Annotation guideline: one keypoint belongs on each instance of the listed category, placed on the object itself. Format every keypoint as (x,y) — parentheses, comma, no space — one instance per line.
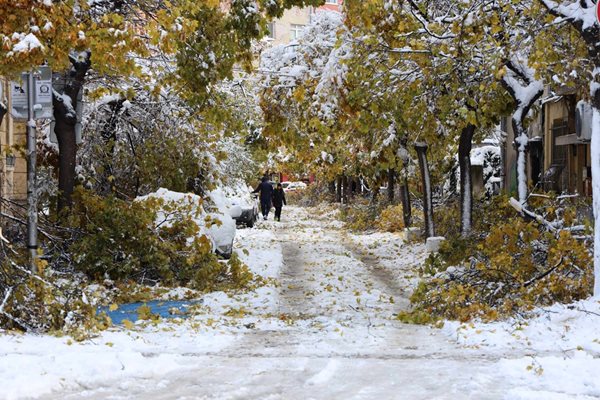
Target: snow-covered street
(323,329)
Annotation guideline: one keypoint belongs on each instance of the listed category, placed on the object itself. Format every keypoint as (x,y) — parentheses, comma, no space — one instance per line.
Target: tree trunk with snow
(522,146)
(421,149)
(65,116)
(520,82)
(466,186)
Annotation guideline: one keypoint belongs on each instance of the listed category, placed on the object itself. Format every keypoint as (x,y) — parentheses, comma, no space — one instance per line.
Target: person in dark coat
(266,193)
(278,201)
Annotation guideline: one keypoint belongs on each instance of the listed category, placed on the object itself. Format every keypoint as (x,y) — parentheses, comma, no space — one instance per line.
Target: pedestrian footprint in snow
(278,201)
(266,193)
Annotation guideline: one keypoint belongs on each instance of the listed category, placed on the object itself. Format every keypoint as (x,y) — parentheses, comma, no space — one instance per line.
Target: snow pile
(557,350)
(26,43)
(57,363)
(32,366)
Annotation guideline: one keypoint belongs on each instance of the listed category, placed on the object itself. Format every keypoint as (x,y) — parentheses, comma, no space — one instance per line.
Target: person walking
(278,201)
(266,193)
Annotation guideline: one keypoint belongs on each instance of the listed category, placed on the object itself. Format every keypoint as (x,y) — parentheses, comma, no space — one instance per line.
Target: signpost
(42,95)
(32,100)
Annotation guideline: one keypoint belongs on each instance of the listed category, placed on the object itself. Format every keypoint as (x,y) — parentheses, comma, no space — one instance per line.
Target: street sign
(18,95)
(42,95)
(43,91)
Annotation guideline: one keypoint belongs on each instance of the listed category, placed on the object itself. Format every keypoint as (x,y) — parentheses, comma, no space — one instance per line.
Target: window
(331,2)
(559,153)
(296,31)
(271,30)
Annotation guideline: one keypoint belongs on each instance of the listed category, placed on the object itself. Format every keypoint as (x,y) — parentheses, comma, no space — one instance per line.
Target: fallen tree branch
(541,220)
(545,274)
(22,222)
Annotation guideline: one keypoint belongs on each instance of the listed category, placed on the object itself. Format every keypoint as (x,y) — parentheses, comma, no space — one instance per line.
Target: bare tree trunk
(345,189)
(65,116)
(404,190)
(466,186)
(391,175)
(67,156)
(421,149)
(405,199)
(338,193)
(331,187)
(375,193)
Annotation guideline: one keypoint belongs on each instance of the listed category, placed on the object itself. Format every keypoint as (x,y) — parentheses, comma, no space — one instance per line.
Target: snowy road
(325,331)
(338,340)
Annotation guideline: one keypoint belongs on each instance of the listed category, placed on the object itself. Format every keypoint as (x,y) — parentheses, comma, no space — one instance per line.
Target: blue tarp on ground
(161,308)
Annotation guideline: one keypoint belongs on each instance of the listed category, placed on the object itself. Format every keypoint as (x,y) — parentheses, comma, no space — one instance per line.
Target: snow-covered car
(220,205)
(240,203)
(248,204)
(291,186)
(205,214)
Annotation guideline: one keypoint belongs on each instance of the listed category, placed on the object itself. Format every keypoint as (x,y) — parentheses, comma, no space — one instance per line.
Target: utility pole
(32,100)
(32,215)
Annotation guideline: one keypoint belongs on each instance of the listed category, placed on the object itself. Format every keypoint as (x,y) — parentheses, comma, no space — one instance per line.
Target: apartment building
(559,157)
(293,21)
(13,167)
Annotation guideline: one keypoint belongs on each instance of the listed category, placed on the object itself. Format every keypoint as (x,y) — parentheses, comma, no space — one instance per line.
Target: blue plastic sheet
(162,308)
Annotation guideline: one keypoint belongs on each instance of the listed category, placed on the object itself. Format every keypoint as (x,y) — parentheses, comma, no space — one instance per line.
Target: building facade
(13,166)
(559,157)
(289,27)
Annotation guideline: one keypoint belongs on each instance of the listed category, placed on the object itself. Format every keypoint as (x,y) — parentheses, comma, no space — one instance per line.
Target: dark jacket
(279,198)
(266,191)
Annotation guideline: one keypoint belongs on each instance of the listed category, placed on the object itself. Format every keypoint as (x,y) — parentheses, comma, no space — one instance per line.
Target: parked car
(291,186)
(220,208)
(249,210)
